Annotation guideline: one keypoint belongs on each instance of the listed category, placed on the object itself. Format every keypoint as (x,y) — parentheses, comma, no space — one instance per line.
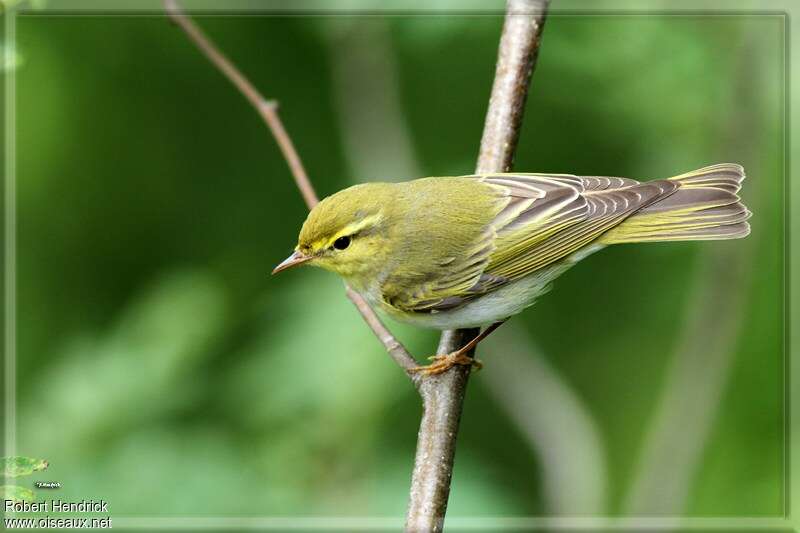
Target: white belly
(496,305)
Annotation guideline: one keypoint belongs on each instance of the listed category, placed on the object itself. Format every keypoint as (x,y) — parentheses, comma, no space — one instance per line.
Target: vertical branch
(516,59)
(443,395)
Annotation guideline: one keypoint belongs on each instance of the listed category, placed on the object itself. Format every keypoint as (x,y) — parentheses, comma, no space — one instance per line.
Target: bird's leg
(459,357)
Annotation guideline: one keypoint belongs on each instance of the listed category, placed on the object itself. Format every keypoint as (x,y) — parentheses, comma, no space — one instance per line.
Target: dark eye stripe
(341,243)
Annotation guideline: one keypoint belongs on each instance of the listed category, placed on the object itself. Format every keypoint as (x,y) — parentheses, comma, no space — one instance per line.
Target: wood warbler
(471,251)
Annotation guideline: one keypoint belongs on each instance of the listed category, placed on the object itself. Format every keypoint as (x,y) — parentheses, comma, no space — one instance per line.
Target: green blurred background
(161,368)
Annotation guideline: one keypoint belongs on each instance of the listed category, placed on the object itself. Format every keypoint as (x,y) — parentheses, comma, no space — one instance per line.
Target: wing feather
(604,183)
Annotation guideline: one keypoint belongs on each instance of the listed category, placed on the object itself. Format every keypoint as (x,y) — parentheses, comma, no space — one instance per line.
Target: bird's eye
(341,243)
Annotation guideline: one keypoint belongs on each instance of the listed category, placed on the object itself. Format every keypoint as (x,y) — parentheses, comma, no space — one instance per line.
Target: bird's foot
(445,362)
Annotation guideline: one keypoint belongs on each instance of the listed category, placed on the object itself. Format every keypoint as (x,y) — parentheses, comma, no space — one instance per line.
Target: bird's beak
(297,258)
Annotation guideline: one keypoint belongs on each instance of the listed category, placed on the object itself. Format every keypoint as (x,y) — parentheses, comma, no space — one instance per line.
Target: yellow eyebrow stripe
(353,228)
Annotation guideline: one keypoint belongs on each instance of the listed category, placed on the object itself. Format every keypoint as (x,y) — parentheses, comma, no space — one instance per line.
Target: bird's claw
(446,362)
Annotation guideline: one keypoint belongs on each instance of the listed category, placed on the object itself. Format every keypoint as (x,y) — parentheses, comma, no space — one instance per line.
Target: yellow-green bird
(470,251)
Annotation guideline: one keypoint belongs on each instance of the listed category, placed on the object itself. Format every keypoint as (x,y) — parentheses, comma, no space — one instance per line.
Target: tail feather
(705,207)
(725,176)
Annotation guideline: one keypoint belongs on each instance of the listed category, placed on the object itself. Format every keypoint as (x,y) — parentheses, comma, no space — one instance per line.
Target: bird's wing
(546,218)
(547,231)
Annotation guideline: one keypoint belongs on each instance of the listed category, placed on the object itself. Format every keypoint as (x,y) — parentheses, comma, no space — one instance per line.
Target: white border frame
(575,7)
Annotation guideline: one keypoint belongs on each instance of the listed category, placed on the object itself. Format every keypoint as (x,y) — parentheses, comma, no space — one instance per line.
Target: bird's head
(347,233)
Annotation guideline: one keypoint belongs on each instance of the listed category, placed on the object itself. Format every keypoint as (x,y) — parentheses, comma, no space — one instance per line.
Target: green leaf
(22,466)
(16,494)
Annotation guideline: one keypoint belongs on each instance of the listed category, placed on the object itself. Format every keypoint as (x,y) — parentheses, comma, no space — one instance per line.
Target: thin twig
(396,350)
(268,110)
(443,395)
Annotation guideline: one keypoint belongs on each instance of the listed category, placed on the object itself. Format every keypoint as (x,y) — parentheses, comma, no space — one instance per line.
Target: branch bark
(443,395)
(268,110)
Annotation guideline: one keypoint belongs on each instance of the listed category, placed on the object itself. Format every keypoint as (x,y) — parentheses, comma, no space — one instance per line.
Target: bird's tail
(704,207)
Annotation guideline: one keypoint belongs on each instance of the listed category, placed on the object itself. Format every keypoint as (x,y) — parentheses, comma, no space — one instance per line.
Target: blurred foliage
(162,369)
(22,466)
(18,466)
(15,493)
